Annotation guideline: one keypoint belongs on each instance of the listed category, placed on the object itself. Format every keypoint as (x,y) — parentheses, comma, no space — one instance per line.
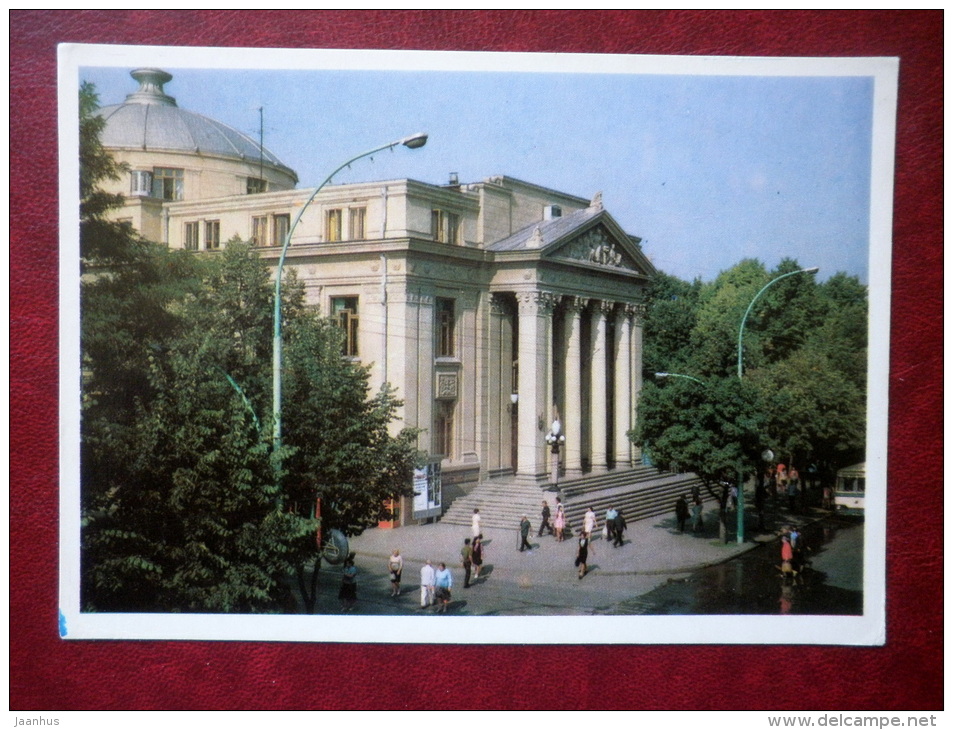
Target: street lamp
(415,141)
(741,331)
(678,375)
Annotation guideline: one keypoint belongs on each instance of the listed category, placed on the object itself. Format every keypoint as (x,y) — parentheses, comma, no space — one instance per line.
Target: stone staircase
(502,504)
(639,493)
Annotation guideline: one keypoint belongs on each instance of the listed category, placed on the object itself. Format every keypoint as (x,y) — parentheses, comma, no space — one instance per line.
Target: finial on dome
(150,89)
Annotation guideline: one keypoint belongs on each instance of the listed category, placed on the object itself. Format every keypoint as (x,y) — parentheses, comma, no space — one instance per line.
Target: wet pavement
(831,582)
(657,571)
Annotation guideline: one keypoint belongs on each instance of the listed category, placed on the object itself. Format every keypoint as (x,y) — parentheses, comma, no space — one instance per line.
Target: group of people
(615,526)
(436,582)
(683,512)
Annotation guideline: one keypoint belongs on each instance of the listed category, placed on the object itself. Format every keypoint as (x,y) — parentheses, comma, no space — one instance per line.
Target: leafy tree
(803,390)
(712,428)
(186,505)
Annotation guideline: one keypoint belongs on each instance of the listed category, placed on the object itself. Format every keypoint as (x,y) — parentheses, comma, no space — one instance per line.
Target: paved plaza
(542,581)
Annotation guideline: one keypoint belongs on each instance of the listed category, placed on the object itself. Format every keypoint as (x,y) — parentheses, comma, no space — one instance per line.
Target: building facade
(494,308)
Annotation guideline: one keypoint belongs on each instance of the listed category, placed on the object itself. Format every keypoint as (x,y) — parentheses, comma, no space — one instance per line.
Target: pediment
(602,247)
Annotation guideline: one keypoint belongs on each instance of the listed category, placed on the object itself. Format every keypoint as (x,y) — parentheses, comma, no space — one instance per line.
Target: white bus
(849,489)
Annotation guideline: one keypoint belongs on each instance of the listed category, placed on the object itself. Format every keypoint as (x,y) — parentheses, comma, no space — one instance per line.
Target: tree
(712,428)
(186,505)
(803,389)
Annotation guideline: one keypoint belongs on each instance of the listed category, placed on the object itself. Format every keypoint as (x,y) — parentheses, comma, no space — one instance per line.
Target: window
(167,183)
(445,227)
(212,234)
(259,230)
(358,220)
(344,309)
(255,185)
(445,323)
(192,236)
(140,183)
(282,224)
(332,227)
(443,429)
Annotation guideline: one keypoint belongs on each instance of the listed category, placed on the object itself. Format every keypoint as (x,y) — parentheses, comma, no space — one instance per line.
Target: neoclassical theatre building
(493,307)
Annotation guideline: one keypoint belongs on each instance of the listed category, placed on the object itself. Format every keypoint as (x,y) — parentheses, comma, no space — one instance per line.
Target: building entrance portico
(574,357)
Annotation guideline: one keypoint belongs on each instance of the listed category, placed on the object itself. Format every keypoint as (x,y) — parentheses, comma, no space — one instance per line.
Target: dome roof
(150,120)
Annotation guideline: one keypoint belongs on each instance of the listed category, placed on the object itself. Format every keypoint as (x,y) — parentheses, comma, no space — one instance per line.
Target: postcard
(453,347)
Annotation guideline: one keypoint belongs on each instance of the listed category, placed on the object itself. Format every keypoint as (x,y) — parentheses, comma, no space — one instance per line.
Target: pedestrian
(609,529)
(475,523)
(582,555)
(427,578)
(794,486)
(589,522)
(476,549)
(559,522)
(544,522)
(443,582)
(787,558)
(618,528)
(466,557)
(347,595)
(524,534)
(395,564)
(681,513)
(697,514)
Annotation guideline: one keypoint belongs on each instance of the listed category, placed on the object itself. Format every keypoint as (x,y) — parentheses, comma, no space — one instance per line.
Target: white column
(638,317)
(535,309)
(623,385)
(425,367)
(599,410)
(572,408)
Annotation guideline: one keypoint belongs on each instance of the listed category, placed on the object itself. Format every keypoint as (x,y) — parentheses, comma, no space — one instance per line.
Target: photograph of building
(494,307)
(559,323)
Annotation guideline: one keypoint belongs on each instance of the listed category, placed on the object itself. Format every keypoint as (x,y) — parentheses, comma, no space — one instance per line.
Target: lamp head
(812,270)
(414,141)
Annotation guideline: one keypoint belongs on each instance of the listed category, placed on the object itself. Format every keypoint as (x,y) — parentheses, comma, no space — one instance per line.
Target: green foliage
(803,388)
(184,506)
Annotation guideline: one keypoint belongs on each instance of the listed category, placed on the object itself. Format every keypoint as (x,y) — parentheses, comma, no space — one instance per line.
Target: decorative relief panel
(596,247)
(447,386)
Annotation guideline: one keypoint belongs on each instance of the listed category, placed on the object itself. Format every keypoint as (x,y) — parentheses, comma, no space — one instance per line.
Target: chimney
(454,178)
(551,212)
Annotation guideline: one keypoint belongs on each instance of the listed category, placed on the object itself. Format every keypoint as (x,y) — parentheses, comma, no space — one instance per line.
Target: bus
(849,488)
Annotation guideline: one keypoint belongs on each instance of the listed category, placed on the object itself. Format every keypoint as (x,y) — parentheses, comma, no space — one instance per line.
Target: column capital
(531,302)
(500,304)
(636,311)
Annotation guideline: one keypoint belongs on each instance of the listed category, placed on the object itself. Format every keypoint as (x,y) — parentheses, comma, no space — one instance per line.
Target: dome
(150,120)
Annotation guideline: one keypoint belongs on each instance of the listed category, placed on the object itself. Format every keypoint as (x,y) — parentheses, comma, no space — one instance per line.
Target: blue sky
(708,170)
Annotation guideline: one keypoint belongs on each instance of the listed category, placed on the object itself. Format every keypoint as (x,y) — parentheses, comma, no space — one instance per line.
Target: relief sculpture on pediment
(596,247)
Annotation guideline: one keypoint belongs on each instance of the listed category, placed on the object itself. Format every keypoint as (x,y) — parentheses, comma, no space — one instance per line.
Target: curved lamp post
(413,142)
(741,332)
(678,375)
